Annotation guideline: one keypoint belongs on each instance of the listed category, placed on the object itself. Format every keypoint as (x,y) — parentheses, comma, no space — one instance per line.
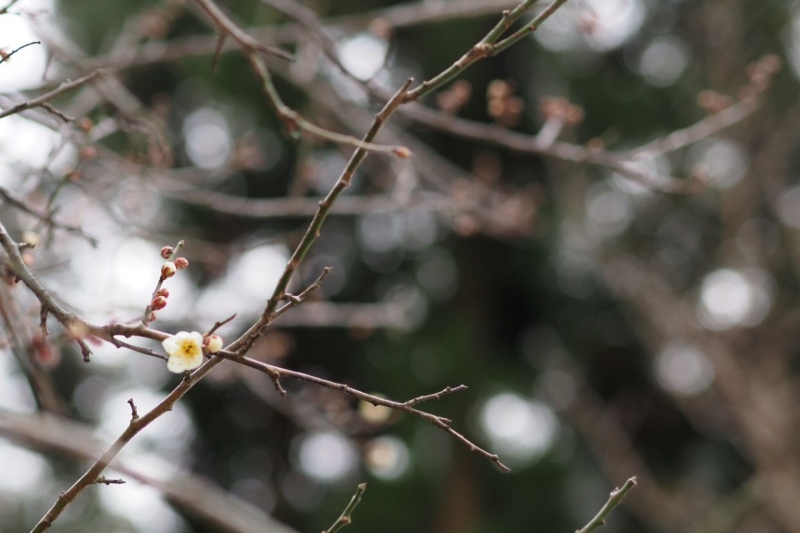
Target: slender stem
(614,499)
(291,119)
(134,427)
(345,518)
(6,56)
(55,93)
(531,27)
(244,343)
(147,317)
(488,46)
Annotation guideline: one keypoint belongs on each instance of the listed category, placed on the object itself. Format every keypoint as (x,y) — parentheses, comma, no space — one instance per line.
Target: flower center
(189,348)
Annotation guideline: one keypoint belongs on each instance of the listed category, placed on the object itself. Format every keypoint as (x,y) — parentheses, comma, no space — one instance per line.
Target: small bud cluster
(168,269)
(555,108)
(759,76)
(503,106)
(88,152)
(85,124)
(452,100)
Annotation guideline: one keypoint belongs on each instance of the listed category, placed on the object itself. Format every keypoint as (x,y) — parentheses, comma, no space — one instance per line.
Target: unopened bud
(31,237)
(88,152)
(159,302)
(402,152)
(181,263)
(166,252)
(212,343)
(163,292)
(86,124)
(168,270)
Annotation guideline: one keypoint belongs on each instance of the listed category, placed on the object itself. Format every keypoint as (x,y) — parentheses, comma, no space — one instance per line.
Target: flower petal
(179,364)
(171,345)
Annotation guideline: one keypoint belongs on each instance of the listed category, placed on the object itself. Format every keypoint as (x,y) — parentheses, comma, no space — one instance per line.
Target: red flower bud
(166,251)
(159,302)
(163,292)
(181,263)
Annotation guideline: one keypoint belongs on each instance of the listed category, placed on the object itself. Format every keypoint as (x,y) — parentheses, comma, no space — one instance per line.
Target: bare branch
(436,395)
(407,407)
(294,301)
(134,427)
(313,232)
(194,494)
(399,16)
(12,200)
(8,6)
(55,93)
(698,131)
(292,120)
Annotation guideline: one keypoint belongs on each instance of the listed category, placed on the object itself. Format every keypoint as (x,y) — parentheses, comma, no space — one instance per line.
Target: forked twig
(346,517)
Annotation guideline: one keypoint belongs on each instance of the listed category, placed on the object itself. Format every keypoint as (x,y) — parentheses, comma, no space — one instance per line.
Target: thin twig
(529,28)
(294,301)
(12,200)
(265,208)
(435,396)
(191,493)
(399,16)
(8,6)
(275,373)
(346,517)
(55,93)
(218,324)
(57,112)
(146,351)
(488,46)
(41,384)
(134,412)
(215,57)
(6,56)
(698,131)
(313,232)
(614,499)
(291,120)
(134,427)
(105,481)
(74,325)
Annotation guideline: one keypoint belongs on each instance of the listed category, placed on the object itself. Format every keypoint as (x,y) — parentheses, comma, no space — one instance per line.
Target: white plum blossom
(185,351)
